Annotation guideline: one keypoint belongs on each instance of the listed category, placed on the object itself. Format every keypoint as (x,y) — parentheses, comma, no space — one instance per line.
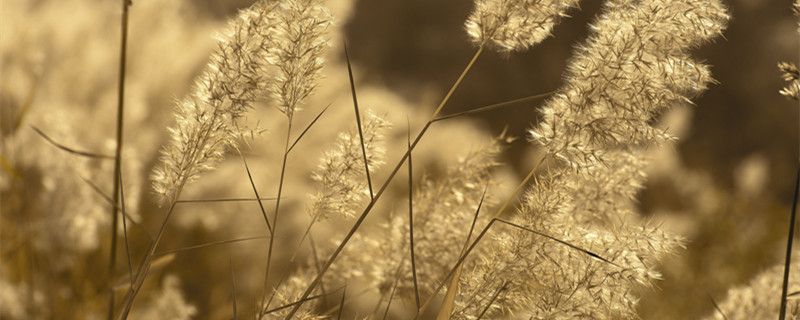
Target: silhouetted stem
(112,264)
(790,240)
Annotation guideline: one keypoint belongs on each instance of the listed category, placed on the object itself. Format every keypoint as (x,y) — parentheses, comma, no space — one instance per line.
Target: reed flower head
(287,36)
(515,25)
(299,45)
(342,171)
(634,65)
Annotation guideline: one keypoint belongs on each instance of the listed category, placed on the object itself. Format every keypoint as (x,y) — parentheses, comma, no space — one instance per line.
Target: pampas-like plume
(634,65)
(341,173)
(287,36)
(297,51)
(515,25)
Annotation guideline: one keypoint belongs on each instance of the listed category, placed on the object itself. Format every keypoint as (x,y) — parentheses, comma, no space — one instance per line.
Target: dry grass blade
(358,121)
(125,227)
(496,106)
(787,263)
(385,185)
(71,150)
(117,178)
(411,215)
(450,297)
(255,191)
(308,127)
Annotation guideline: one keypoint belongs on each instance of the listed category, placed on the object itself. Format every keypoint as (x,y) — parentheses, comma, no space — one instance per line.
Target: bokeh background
(726,185)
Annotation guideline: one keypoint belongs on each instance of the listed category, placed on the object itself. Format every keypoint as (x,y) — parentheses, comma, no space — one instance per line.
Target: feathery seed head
(342,172)
(270,48)
(515,25)
(298,47)
(633,66)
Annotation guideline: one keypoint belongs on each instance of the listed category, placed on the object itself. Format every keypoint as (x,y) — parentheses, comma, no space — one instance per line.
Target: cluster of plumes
(342,172)
(634,65)
(272,49)
(515,25)
(760,298)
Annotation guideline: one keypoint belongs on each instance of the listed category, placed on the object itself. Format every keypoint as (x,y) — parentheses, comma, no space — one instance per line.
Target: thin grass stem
(255,191)
(71,150)
(411,215)
(789,242)
(275,216)
(496,106)
(125,227)
(118,156)
(308,127)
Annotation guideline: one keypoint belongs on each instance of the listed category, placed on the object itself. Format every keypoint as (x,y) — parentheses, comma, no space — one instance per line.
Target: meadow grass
(312,220)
